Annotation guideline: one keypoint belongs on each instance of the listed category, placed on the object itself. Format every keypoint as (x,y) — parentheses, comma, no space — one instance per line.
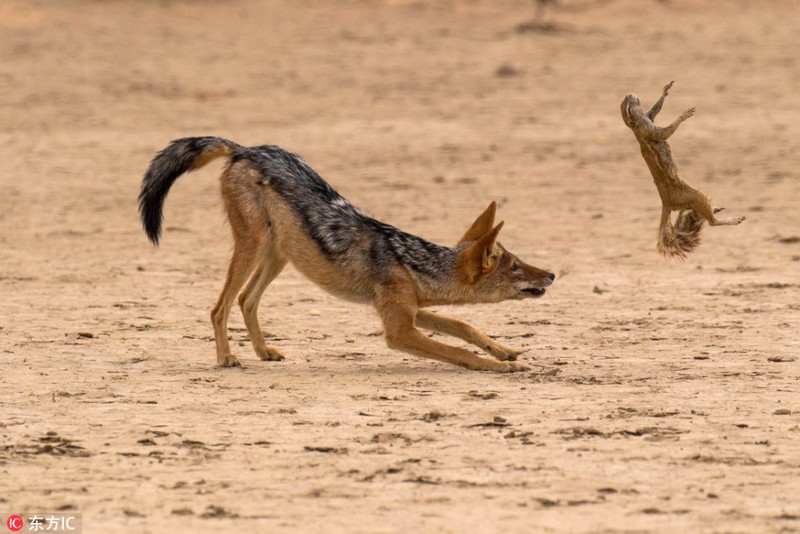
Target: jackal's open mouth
(534,291)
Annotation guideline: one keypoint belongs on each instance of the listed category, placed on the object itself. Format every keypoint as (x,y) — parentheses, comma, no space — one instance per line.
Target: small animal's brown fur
(684,236)
(271,198)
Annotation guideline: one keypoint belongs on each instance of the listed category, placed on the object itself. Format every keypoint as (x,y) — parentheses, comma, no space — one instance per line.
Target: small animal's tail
(182,155)
(683,237)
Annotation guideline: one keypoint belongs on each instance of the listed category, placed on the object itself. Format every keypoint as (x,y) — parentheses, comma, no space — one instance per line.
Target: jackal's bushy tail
(182,155)
(683,237)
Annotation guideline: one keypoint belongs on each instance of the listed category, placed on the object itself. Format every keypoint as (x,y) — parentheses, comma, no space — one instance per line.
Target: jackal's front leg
(397,307)
(467,332)
(409,339)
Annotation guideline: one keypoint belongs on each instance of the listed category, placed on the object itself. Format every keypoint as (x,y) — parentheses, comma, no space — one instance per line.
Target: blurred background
(420,113)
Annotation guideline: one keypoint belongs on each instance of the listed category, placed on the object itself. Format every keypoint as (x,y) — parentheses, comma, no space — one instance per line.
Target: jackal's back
(337,226)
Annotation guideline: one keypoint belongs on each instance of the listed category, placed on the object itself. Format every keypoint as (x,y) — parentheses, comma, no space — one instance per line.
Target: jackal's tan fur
(281,211)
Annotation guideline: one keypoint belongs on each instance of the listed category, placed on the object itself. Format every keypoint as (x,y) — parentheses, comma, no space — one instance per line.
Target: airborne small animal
(676,195)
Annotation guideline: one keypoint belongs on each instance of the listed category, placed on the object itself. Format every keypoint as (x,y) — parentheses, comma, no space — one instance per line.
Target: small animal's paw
(270,354)
(668,87)
(688,113)
(229,360)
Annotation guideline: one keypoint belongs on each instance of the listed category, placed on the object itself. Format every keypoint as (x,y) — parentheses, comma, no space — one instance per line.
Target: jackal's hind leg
(467,332)
(269,267)
(245,257)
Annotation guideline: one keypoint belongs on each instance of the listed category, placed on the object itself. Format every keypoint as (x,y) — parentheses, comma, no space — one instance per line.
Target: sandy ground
(664,395)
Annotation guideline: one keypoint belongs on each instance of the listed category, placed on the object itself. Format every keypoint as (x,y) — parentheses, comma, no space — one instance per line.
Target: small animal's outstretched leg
(700,203)
(653,111)
(662,134)
(686,114)
(689,217)
(728,222)
(734,220)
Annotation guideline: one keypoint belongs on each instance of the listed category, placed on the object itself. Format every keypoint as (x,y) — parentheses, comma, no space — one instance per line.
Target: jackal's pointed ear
(481,225)
(480,257)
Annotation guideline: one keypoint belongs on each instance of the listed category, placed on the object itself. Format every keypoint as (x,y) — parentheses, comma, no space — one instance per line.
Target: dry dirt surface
(664,396)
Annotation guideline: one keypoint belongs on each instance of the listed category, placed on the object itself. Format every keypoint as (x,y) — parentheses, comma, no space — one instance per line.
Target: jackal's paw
(504,352)
(738,220)
(229,360)
(270,354)
(515,367)
(483,364)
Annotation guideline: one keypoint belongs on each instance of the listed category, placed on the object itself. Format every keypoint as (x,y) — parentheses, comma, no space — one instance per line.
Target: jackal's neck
(421,257)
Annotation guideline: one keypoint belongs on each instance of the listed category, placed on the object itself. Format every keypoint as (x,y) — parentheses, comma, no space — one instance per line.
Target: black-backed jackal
(280,210)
